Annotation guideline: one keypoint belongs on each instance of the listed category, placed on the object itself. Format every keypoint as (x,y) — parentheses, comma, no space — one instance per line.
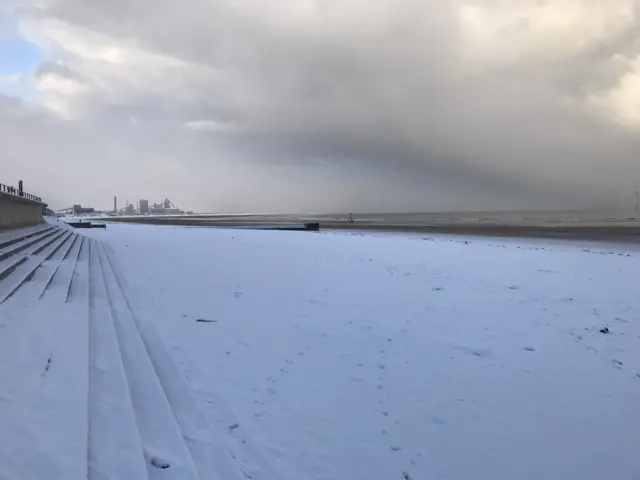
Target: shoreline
(603,231)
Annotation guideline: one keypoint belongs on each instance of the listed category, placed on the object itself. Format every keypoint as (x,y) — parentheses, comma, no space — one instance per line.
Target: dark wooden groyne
(86,225)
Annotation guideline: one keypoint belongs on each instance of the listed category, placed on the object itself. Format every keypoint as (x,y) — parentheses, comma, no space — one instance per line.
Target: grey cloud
(60,70)
(356,96)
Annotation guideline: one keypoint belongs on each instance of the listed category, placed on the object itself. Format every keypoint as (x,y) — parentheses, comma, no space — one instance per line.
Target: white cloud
(505,30)
(622,102)
(210,126)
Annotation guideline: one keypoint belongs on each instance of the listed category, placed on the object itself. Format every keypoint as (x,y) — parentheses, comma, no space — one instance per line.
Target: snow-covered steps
(143,417)
(27,269)
(18,252)
(44,374)
(29,264)
(73,241)
(170,419)
(11,237)
(15,247)
(87,386)
(115,449)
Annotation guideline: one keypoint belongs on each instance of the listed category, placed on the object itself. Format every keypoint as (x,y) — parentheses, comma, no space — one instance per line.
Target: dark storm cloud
(468,102)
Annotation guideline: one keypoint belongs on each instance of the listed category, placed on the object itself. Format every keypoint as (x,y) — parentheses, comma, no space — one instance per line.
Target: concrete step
(115,448)
(78,283)
(205,445)
(155,418)
(44,347)
(62,257)
(23,272)
(23,243)
(9,264)
(10,237)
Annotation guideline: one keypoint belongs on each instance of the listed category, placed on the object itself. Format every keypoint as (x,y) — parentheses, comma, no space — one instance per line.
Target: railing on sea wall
(18,192)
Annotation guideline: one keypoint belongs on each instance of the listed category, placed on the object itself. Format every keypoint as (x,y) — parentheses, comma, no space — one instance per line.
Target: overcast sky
(322,105)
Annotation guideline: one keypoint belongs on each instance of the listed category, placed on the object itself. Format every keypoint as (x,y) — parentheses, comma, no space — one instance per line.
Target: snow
(43,393)
(366,356)
(149,352)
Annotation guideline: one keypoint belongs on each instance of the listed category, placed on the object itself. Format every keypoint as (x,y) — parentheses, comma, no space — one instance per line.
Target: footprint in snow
(159,462)
(438,421)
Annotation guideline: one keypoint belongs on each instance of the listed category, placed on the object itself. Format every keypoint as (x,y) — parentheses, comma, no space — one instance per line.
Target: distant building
(166,207)
(79,209)
(144,207)
(129,210)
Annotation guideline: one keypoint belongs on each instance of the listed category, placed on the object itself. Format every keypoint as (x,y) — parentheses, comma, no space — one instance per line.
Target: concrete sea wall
(17,211)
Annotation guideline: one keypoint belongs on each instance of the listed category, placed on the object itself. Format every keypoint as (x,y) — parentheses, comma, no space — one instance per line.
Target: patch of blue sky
(19,58)
(18,55)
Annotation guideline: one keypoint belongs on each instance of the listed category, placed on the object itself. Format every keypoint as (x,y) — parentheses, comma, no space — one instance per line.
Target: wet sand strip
(615,233)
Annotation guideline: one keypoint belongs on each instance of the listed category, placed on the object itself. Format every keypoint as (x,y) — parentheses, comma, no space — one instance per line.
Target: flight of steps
(44,352)
(85,382)
(36,259)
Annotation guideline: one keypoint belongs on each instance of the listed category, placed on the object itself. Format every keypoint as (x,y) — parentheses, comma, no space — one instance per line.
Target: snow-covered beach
(350,356)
